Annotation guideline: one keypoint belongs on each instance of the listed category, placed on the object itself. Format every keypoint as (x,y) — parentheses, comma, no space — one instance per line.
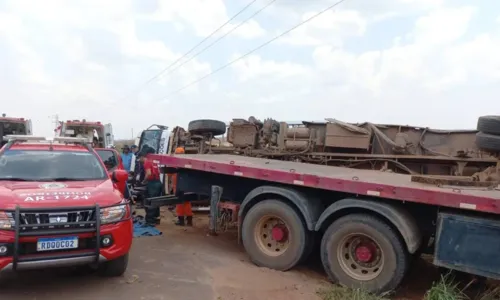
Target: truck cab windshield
(40,165)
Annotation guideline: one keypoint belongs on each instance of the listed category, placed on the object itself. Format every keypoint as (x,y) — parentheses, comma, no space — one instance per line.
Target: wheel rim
(272,235)
(360,257)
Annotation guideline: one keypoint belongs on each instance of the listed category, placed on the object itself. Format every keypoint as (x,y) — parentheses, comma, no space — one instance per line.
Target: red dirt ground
(185,263)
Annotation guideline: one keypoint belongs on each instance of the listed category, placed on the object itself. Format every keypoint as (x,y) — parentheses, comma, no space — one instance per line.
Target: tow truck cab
(60,207)
(17,126)
(93,131)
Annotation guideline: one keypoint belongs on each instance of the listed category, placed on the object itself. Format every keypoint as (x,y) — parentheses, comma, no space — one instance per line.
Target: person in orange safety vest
(183,211)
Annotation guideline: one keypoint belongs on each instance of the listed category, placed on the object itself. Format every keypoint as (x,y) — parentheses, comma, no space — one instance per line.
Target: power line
(221,37)
(253,50)
(190,50)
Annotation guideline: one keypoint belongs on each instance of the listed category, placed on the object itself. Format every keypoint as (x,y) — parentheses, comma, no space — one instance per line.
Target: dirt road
(181,264)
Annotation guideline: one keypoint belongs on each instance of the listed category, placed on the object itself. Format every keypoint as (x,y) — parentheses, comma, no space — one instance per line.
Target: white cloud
(203,17)
(406,61)
(328,28)
(254,67)
(443,26)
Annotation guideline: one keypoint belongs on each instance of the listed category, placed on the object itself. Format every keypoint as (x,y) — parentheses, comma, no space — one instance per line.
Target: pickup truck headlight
(113,214)
(6,220)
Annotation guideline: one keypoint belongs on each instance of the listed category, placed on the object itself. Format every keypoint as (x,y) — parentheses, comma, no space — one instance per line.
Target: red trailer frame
(353,181)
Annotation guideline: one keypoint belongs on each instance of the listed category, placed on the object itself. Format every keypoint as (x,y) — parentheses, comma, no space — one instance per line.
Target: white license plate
(49,244)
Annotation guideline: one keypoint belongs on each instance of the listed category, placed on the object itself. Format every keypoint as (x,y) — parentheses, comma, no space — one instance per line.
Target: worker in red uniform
(153,185)
(183,211)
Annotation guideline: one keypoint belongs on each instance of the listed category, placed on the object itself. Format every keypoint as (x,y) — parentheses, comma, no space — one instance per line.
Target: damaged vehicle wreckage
(61,207)
(372,197)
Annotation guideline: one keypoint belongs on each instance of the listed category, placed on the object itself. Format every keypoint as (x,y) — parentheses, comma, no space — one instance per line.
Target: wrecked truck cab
(60,207)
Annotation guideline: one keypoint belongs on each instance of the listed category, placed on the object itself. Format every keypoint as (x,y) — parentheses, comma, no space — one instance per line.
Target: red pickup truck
(60,207)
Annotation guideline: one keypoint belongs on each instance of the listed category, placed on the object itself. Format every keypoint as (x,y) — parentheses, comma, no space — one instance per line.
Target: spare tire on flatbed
(203,127)
(488,142)
(489,124)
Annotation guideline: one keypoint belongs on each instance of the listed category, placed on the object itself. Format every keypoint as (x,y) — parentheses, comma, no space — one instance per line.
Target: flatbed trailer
(369,225)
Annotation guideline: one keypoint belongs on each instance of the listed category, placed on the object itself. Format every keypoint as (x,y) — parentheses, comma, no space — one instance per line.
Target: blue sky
(422,62)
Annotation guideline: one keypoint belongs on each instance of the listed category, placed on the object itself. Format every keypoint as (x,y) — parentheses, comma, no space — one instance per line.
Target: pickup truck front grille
(56,217)
(50,220)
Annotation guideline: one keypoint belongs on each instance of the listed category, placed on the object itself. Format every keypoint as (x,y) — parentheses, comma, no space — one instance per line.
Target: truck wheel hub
(364,254)
(360,257)
(279,233)
(271,235)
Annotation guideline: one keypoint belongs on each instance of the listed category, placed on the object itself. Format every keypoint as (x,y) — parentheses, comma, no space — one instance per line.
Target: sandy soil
(186,263)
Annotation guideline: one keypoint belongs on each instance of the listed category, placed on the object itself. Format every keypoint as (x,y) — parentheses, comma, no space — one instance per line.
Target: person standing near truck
(126,157)
(153,185)
(184,210)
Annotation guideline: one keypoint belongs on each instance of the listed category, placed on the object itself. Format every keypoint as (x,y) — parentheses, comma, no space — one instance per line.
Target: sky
(432,63)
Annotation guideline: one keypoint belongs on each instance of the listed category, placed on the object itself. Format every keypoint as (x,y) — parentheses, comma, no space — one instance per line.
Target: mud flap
(468,244)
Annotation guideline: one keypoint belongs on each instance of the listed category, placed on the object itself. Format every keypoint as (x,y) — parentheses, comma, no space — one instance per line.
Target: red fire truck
(101,134)
(17,126)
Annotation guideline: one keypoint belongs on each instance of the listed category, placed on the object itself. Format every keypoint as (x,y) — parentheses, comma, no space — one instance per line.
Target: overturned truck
(470,154)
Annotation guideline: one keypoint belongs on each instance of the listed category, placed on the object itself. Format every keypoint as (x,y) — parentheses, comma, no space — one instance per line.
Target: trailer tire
(115,267)
(362,251)
(488,142)
(489,124)
(311,243)
(203,127)
(274,235)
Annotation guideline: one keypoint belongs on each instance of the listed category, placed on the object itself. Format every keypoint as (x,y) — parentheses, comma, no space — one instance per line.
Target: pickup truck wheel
(203,127)
(489,124)
(274,235)
(488,142)
(115,267)
(361,251)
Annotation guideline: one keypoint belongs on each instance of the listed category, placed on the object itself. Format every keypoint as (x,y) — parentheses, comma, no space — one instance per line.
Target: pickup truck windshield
(34,165)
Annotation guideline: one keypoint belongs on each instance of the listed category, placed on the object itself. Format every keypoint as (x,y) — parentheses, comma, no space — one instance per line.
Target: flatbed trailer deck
(367,238)
(361,182)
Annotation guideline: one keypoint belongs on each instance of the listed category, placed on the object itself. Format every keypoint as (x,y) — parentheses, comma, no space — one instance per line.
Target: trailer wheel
(489,124)
(488,142)
(203,127)
(361,251)
(274,235)
(115,267)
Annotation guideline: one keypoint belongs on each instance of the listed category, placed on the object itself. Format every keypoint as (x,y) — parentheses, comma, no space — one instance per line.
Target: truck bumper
(114,240)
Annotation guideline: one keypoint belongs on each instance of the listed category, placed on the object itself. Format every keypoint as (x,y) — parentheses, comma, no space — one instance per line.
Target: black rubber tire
(203,127)
(311,241)
(489,124)
(297,230)
(396,256)
(115,267)
(488,142)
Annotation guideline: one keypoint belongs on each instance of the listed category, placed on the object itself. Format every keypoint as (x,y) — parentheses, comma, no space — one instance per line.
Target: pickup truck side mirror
(119,176)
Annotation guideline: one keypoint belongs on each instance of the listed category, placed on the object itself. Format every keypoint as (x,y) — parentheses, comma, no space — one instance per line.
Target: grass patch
(342,293)
(491,294)
(445,289)
(448,289)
